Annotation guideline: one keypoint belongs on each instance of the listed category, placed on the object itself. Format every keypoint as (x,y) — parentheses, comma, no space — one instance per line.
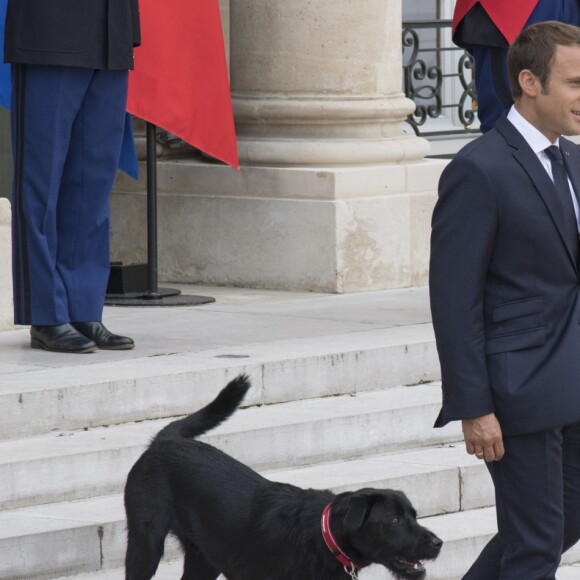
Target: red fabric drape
(180,80)
(508,15)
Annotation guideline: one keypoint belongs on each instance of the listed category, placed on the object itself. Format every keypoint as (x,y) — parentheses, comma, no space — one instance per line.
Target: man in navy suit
(505,299)
(70,62)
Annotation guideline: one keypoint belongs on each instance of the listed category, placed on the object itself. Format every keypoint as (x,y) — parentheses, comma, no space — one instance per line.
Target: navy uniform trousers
(67,131)
(537,489)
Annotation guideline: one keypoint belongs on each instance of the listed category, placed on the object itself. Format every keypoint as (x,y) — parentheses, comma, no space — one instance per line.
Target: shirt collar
(533,137)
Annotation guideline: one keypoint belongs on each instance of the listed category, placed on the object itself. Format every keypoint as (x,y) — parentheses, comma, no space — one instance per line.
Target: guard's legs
(83,218)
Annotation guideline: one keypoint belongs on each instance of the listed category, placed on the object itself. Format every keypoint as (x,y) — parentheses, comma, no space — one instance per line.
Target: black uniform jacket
(96,34)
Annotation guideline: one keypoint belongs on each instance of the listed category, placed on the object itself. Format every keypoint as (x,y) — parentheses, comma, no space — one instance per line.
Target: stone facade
(6,309)
(333,195)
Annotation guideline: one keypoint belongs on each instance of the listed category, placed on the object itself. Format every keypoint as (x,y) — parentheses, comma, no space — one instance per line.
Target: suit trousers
(537,489)
(67,131)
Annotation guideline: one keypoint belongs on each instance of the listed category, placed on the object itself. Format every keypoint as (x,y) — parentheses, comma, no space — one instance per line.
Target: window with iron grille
(437,75)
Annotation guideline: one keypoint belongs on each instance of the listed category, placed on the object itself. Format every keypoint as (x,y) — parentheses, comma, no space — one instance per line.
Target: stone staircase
(340,412)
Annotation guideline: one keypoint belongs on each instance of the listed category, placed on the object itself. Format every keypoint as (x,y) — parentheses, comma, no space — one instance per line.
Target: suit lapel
(571,155)
(544,186)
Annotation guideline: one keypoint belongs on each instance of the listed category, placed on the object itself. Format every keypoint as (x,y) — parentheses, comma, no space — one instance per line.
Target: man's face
(556,109)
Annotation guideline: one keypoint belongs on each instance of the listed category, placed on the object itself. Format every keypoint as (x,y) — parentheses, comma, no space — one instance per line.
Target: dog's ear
(356,511)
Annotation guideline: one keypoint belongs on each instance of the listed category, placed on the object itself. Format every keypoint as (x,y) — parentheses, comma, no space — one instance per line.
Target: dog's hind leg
(143,555)
(195,565)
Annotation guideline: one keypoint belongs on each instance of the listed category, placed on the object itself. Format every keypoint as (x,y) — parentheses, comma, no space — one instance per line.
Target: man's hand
(483,437)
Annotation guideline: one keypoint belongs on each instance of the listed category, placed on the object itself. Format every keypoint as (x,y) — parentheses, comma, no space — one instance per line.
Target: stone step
(85,392)
(465,534)
(569,572)
(78,464)
(455,480)
(93,530)
(171,570)
(62,539)
(89,535)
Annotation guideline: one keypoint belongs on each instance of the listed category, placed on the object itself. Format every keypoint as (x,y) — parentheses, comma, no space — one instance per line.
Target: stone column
(318,82)
(6,308)
(333,194)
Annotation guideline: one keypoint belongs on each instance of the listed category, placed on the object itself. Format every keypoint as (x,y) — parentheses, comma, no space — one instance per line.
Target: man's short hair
(534,49)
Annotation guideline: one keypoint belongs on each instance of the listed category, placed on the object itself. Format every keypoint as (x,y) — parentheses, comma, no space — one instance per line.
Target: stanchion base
(163,297)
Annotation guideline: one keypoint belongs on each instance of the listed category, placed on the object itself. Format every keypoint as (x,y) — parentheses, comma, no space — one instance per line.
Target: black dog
(231,520)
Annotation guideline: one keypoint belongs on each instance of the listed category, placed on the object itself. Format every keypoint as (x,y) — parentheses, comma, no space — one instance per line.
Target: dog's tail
(220,409)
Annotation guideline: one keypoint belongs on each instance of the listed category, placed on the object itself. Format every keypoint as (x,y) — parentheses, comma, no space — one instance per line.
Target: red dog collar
(348,564)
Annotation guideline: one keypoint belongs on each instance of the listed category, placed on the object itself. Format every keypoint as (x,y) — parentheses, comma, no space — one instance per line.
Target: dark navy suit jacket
(504,287)
(97,34)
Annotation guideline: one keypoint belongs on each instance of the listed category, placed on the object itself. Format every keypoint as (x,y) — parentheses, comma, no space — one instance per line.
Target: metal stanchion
(153,295)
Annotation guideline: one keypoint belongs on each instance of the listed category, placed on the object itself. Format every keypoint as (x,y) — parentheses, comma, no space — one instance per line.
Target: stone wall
(333,194)
(6,315)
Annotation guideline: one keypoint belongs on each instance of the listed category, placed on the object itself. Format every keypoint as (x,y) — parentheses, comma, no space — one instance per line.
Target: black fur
(231,520)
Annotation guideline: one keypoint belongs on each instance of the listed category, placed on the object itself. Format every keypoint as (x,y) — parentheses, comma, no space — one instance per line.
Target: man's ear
(356,511)
(530,83)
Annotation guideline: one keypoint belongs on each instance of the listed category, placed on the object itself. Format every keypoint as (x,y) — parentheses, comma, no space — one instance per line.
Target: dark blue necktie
(564,194)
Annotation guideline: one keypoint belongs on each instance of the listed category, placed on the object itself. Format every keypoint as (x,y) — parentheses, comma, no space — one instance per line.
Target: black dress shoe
(104,339)
(61,338)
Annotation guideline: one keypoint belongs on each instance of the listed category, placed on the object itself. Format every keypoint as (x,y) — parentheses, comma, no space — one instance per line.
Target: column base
(311,152)
(324,131)
(293,228)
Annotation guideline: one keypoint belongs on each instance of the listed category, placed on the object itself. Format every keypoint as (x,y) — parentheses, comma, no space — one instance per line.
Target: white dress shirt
(539,142)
